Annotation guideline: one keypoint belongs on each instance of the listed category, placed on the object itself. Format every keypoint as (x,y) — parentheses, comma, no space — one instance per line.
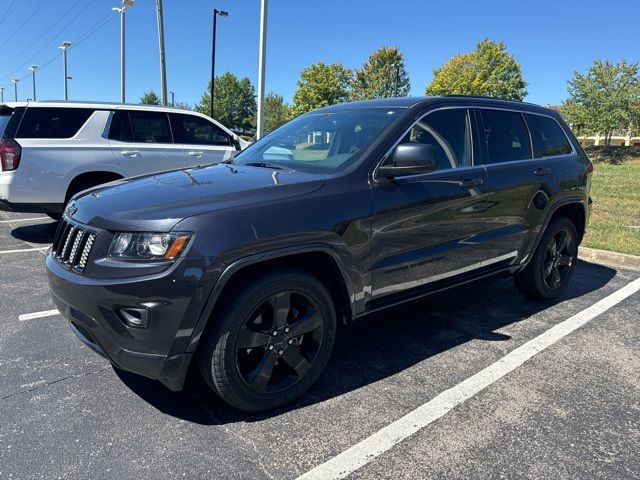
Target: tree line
(604,99)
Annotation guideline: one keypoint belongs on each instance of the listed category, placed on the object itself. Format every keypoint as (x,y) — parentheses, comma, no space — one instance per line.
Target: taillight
(10,152)
(590,167)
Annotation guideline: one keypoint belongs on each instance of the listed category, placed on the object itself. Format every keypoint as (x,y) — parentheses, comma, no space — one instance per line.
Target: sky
(550,39)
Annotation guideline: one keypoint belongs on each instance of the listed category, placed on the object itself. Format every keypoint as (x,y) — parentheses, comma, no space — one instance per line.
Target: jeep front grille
(72,245)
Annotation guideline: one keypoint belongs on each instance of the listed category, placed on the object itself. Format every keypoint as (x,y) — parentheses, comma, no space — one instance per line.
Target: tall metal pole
(2,94)
(15,88)
(33,69)
(261,67)
(173,99)
(64,47)
(213,60)
(122,50)
(163,66)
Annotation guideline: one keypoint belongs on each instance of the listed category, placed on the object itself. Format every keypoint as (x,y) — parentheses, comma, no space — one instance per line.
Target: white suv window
(140,127)
(193,130)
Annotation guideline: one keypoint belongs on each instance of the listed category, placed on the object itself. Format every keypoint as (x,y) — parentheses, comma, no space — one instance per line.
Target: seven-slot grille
(72,245)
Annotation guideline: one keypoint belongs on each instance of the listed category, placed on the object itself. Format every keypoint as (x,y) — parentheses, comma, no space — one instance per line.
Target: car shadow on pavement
(383,344)
(36,233)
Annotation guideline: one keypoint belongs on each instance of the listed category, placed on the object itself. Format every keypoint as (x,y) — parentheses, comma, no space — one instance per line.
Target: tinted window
(548,137)
(197,131)
(506,135)
(52,122)
(150,127)
(449,131)
(121,127)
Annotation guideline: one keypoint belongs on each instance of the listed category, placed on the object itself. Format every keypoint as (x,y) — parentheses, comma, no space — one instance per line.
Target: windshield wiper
(264,165)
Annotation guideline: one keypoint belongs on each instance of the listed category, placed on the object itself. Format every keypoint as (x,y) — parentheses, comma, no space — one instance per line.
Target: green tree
(276,111)
(489,70)
(383,76)
(183,106)
(149,98)
(234,104)
(321,85)
(605,99)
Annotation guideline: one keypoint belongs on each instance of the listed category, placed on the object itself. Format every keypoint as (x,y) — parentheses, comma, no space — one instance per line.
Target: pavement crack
(53,382)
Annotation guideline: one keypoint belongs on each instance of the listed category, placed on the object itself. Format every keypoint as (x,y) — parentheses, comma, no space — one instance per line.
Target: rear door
(142,142)
(429,229)
(519,185)
(204,142)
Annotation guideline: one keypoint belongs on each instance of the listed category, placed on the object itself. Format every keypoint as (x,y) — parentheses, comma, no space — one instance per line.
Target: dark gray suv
(247,267)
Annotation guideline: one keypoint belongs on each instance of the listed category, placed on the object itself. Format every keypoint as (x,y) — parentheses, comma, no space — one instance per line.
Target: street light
(2,94)
(33,69)
(173,99)
(64,47)
(222,13)
(15,87)
(261,67)
(125,4)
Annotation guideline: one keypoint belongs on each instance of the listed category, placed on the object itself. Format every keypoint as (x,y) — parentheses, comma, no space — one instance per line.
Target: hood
(158,202)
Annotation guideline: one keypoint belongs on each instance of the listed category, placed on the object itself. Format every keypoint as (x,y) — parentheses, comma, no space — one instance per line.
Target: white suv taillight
(10,152)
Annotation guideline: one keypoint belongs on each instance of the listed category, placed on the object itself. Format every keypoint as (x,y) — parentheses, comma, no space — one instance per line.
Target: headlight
(147,246)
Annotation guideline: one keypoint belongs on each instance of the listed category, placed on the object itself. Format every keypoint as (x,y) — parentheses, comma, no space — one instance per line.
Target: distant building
(619,138)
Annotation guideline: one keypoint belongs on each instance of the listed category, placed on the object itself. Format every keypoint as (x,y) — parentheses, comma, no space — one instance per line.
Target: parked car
(50,151)
(247,267)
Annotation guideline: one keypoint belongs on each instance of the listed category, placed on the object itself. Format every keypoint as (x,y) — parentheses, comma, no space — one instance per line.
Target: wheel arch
(100,176)
(319,259)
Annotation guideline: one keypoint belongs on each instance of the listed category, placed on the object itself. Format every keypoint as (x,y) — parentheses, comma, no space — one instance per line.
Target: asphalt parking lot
(572,410)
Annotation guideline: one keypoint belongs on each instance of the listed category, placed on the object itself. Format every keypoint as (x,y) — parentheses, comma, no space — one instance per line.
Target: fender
(552,210)
(238,265)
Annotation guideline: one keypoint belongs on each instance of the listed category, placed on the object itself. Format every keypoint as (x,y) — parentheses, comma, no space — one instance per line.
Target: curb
(613,259)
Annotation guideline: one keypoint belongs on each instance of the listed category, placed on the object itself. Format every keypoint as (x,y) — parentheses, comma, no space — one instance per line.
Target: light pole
(222,13)
(33,69)
(261,67)
(163,65)
(173,99)
(125,4)
(15,88)
(64,47)
(2,94)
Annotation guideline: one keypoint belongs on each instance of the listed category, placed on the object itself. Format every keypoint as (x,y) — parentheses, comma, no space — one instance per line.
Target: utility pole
(33,69)
(261,67)
(222,13)
(121,10)
(163,66)
(15,87)
(64,47)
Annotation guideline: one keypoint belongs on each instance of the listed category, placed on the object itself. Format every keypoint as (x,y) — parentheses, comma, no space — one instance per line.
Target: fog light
(135,317)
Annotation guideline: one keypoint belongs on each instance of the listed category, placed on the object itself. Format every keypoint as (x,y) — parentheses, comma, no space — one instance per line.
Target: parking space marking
(383,440)
(25,250)
(31,316)
(25,219)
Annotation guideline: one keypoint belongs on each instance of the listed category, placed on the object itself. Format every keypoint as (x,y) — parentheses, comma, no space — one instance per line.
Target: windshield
(321,142)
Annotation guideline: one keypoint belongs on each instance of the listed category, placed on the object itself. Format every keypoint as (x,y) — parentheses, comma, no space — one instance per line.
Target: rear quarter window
(548,137)
(52,122)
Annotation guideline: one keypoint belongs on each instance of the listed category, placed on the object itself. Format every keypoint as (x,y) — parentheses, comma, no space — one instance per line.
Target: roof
(89,104)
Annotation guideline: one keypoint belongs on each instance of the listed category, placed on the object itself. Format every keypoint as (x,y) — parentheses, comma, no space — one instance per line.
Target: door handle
(542,171)
(195,154)
(470,183)
(130,153)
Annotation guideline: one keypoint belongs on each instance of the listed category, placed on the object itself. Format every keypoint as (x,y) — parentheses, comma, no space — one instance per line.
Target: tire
(551,267)
(252,358)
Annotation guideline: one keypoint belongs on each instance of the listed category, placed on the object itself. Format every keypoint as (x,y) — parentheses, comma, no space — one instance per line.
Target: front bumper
(157,352)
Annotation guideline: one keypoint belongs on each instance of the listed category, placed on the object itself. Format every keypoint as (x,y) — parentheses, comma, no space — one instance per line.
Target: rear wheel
(551,267)
(269,343)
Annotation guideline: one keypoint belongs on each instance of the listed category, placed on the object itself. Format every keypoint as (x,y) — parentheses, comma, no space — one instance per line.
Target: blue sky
(550,39)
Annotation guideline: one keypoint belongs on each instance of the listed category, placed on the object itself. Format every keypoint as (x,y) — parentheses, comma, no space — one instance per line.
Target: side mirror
(236,142)
(411,159)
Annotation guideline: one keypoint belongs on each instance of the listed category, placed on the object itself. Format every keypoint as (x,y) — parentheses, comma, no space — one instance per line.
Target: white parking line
(31,316)
(24,250)
(383,440)
(25,219)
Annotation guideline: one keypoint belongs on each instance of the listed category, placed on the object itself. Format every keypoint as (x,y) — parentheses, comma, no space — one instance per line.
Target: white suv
(49,151)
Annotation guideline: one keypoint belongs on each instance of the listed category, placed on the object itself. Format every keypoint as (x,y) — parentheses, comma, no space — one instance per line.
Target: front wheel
(270,343)
(552,264)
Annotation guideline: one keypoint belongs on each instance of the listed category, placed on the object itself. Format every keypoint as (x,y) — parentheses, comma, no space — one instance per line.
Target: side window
(449,131)
(506,135)
(120,128)
(52,122)
(548,137)
(194,130)
(150,127)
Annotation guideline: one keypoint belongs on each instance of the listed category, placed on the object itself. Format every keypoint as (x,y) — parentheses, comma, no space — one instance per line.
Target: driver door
(429,228)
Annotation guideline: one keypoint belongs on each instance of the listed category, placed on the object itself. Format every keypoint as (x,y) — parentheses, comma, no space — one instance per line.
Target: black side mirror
(411,159)
(236,143)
